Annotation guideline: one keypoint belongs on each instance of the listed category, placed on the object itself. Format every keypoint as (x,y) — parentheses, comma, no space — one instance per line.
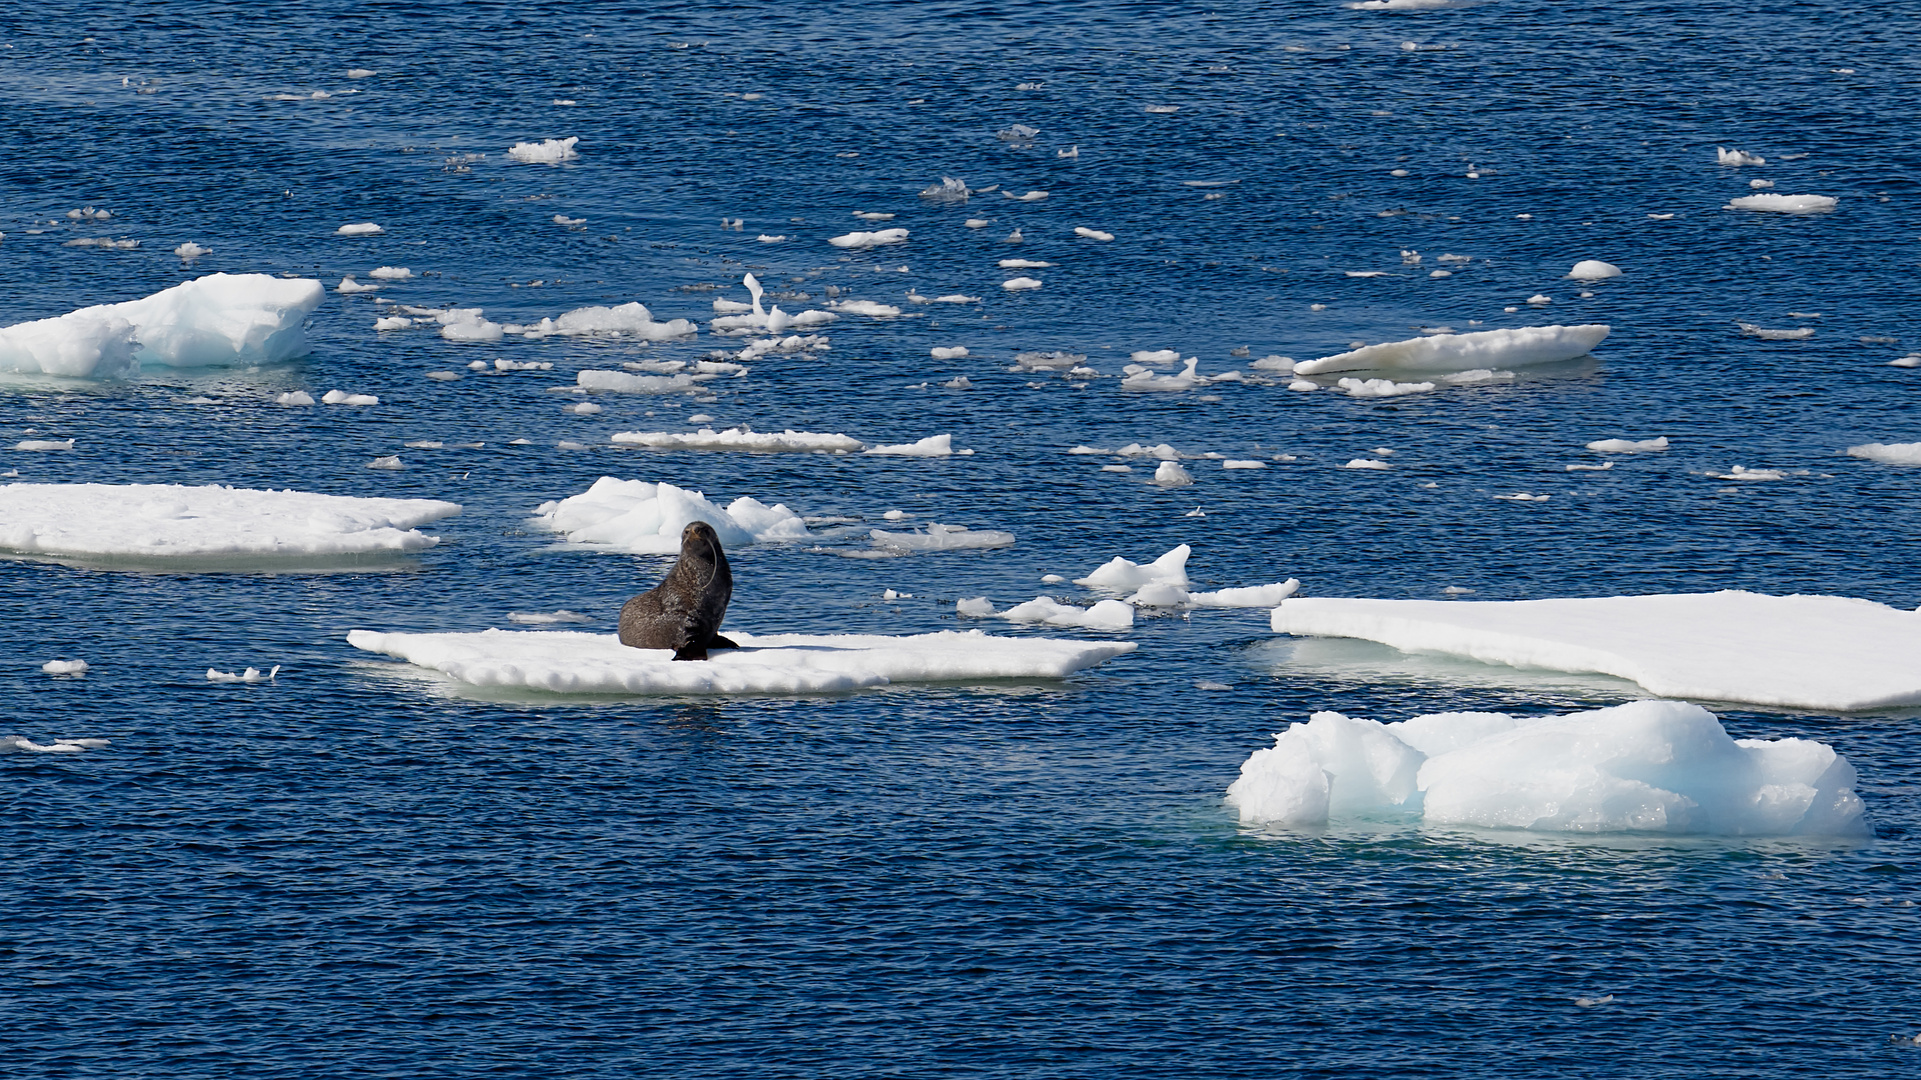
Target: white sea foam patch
(570,662)
(647,518)
(169,521)
(216,320)
(1494,349)
(1665,767)
(1888,453)
(1829,653)
(743,438)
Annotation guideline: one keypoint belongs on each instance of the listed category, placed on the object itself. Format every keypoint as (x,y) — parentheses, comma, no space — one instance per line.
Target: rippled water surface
(358,869)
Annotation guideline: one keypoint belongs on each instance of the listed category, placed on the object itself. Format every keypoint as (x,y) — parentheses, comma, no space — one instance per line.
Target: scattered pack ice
(216,320)
(1829,653)
(1493,349)
(145,522)
(1665,767)
(742,438)
(646,518)
(571,662)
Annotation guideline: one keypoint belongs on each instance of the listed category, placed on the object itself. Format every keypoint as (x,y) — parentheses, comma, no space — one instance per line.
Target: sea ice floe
(1374,388)
(145,522)
(393,322)
(621,382)
(950,189)
(349,286)
(572,662)
(1366,463)
(294,397)
(391,461)
(66,667)
(19,744)
(955,352)
(1171,474)
(1109,615)
(1629,446)
(938,537)
(342,397)
(191,250)
(467,324)
(216,320)
(1593,270)
(1664,767)
(1020,284)
(364,228)
(1725,156)
(1494,349)
(645,518)
(1523,496)
(931,446)
(44,444)
(1742,472)
(627,320)
(1888,453)
(1796,652)
(742,438)
(1243,463)
(1799,333)
(391,273)
(251,675)
(545,152)
(864,307)
(861,241)
(978,607)
(1784,204)
(1126,576)
(1092,234)
(1246,596)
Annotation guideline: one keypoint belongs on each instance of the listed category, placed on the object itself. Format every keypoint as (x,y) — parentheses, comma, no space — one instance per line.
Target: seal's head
(700,540)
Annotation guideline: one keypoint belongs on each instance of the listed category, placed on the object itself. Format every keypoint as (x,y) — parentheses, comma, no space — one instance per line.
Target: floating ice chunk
(1478,375)
(959,382)
(1032,196)
(1629,446)
(766,239)
(1540,299)
(1017,133)
(44,444)
(931,446)
(1246,596)
(1800,333)
(341,397)
(466,324)
(1020,284)
(349,285)
(1760,185)
(1888,453)
(942,538)
(251,675)
(1171,474)
(1371,388)
(545,152)
(1725,156)
(864,307)
(1243,463)
(1071,152)
(1024,264)
(191,250)
(977,608)
(950,189)
(1092,234)
(1647,766)
(393,322)
(868,215)
(294,397)
(1163,109)
(573,662)
(66,667)
(740,438)
(1742,472)
(621,382)
(570,222)
(17,744)
(1784,204)
(361,73)
(1366,463)
(145,522)
(1164,451)
(1523,496)
(1797,652)
(219,319)
(977,223)
(391,273)
(1126,576)
(1155,356)
(1460,352)
(365,228)
(1603,467)
(627,320)
(861,241)
(1590,1002)
(391,461)
(1303,386)
(1282,364)
(502,364)
(1109,615)
(1593,270)
(540,618)
(955,352)
(636,516)
(581,408)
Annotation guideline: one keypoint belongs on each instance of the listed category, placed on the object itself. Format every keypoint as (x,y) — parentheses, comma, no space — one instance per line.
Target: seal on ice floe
(684,611)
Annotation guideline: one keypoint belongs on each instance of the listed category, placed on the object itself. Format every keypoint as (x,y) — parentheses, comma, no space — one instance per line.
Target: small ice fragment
(1725,156)
(541,618)
(1092,234)
(545,152)
(563,219)
(391,273)
(1012,238)
(1020,284)
(1742,472)
(251,675)
(860,241)
(1522,496)
(976,608)
(1784,204)
(1171,474)
(1590,1002)
(959,382)
(1629,446)
(65,667)
(869,215)
(1243,463)
(977,223)
(1052,579)
(341,397)
(1108,615)
(361,73)
(582,408)
(1117,468)
(1593,270)
(443,376)
(1303,386)
(1456,590)
(294,397)
(1163,109)
(948,353)
(1366,463)
(44,444)
(365,228)
(1378,388)
(391,461)
(1577,467)
(1800,333)
(393,322)
(1540,299)
(349,285)
(191,250)
(1760,185)
(1017,133)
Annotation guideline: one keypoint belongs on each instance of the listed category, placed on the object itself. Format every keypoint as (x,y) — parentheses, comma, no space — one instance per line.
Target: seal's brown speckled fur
(684,611)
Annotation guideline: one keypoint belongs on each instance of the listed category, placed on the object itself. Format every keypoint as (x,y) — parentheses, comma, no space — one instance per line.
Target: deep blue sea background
(358,870)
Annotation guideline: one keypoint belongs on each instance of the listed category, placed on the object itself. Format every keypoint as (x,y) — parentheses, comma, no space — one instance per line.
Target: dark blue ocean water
(357,870)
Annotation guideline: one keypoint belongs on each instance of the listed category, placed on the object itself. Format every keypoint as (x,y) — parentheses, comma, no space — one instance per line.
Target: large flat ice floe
(217,320)
(1828,653)
(745,439)
(646,518)
(146,523)
(1493,349)
(1665,767)
(569,662)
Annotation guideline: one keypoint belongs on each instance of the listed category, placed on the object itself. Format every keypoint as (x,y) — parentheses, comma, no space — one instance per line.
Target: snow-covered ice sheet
(1493,349)
(216,320)
(147,523)
(1829,653)
(571,662)
(741,438)
(1665,767)
(647,518)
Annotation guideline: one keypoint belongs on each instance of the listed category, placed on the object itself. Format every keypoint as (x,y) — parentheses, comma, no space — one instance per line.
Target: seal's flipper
(692,652)
(718,642)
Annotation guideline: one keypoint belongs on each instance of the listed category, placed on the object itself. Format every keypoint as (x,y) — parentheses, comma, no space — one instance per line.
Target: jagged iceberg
(216,320)
(1644,767)
(1494,349)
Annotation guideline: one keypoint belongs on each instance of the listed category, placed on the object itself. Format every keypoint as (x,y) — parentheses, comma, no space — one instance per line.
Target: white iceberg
(646,518)
(1888,453)
(216,320)
(1784,204)
(571,662)
(1663,767)
(1109,615)
(165,522)
(1495,349)
(942,538)
(741,438)
(1828,653)
(545,152)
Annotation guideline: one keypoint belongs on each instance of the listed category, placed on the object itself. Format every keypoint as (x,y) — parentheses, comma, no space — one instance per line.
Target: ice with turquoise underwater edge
(353,870)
